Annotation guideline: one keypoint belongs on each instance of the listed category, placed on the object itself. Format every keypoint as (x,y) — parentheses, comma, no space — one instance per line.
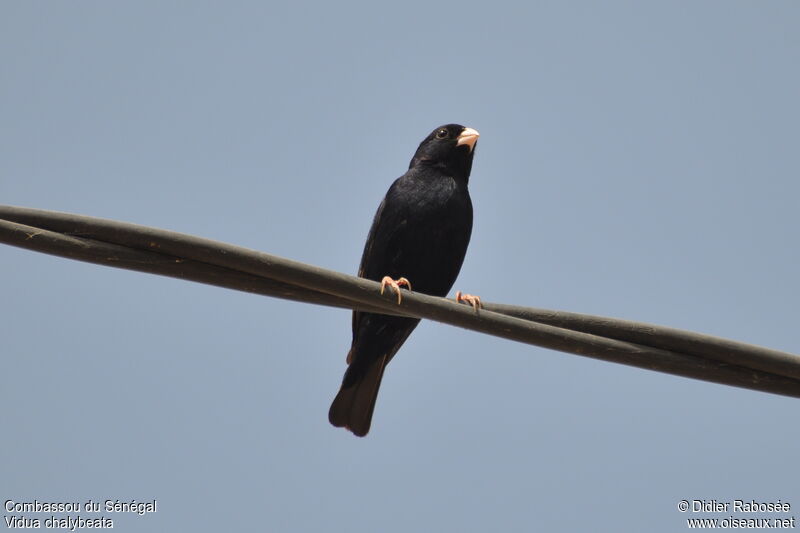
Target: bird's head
(450,147)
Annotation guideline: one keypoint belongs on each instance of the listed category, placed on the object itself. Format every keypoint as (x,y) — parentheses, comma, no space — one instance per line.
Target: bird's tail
(353,406)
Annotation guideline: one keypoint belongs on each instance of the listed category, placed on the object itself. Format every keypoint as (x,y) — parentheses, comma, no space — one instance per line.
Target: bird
(418,238)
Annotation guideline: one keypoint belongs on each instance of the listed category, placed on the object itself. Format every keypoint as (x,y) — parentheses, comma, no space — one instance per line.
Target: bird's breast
(431,236)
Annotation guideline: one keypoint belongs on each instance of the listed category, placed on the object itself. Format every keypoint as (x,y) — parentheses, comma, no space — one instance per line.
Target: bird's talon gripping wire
(395,285)
(471,299)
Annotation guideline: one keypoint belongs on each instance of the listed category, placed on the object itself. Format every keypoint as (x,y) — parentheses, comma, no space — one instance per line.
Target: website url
(740,523)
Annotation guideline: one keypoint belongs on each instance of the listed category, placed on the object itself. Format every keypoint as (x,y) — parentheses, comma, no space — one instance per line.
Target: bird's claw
(471,299)
(395,285)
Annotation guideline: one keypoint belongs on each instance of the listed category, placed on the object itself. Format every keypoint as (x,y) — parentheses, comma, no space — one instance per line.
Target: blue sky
(637,160)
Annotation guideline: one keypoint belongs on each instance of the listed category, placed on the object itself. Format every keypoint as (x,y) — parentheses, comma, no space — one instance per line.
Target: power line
(167,253)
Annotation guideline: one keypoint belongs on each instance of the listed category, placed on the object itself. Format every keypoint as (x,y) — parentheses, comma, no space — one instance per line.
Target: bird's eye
(442,134)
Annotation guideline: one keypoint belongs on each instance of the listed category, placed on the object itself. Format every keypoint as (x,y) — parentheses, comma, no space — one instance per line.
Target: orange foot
(474,301)
(395,285)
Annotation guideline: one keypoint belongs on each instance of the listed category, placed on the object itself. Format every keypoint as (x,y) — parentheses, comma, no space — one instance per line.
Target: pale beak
(468,137)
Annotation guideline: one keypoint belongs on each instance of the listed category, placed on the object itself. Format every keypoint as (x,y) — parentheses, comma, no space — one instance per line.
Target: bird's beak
(468,137)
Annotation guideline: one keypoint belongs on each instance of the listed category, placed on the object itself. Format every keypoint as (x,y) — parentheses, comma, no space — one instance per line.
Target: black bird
(419,236)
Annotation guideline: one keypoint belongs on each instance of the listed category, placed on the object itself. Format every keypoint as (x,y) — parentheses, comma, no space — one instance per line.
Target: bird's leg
(474,301)
(395,285)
